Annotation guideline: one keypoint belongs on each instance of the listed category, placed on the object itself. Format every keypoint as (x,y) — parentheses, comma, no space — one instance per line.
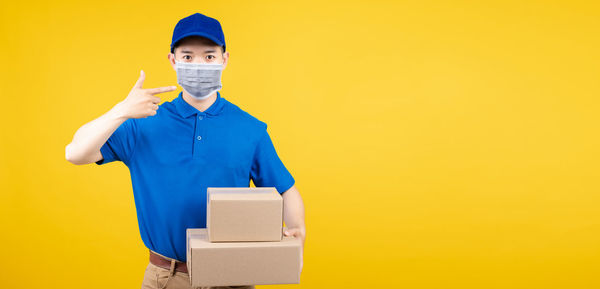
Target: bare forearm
(293,209)
(91,136)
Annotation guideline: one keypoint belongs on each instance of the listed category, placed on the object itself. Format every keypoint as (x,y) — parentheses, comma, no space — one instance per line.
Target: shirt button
(199,117)
(199,137)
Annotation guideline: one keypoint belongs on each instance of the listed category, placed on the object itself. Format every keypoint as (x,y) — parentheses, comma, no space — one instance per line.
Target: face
(198,50)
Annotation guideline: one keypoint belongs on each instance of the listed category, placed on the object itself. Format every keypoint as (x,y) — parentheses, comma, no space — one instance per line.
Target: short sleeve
(267,168)
(120,144)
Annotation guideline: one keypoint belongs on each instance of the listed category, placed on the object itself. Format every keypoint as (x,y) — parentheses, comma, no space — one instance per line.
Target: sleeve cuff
(282,188)
(107,155)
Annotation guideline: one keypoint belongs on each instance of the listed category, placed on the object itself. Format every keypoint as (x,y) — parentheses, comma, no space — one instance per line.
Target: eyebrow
(205,51)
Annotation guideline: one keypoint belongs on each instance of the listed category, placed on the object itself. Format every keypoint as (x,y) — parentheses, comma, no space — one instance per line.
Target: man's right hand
(141,102)
(89,138)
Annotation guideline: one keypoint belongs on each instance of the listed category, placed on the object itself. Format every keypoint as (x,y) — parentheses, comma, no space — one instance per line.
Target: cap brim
(218,42)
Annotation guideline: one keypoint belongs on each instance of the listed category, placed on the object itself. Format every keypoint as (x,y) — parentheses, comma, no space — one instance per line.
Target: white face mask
(199,80)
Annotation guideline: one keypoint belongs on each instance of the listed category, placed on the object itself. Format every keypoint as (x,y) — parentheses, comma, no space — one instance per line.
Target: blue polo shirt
(176,154)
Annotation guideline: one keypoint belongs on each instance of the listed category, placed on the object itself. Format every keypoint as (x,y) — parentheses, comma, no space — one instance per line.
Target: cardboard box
(242,263)
(244,214)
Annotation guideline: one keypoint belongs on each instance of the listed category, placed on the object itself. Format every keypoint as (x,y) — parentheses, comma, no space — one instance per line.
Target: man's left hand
(297,233)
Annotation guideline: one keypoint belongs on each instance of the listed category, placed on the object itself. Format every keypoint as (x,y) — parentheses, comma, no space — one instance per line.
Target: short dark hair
(179,42)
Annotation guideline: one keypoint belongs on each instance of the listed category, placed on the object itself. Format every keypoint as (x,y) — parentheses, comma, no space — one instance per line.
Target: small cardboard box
(242,263)
(244,214)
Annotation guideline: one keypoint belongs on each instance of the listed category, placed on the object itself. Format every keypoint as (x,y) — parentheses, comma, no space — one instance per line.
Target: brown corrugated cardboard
(242,263)
(244,214)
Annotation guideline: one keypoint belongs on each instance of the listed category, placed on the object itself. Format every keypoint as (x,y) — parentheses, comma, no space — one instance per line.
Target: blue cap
(201,25)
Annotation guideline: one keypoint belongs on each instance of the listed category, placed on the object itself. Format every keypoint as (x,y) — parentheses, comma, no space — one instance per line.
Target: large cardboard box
(242,263)
(244,214)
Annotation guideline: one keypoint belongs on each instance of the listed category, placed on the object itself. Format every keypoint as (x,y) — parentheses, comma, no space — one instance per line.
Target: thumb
(140,81)
(290,232)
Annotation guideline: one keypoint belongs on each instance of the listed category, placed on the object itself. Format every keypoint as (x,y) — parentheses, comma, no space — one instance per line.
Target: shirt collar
(185,109)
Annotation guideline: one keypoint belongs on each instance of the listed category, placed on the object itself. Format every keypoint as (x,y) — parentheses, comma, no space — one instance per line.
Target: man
(175,150)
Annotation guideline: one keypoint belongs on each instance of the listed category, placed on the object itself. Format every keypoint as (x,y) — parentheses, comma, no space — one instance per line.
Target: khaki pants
(157,277)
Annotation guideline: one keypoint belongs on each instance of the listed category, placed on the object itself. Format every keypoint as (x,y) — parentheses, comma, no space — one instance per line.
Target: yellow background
(436,144)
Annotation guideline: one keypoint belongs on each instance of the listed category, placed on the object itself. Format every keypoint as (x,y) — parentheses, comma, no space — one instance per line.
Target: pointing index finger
(161,89)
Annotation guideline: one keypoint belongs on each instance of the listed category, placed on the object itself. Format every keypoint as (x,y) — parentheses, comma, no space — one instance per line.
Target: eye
(184,57)
(211,56)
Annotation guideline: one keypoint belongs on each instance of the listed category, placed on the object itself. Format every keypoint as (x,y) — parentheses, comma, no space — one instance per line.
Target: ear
(225,59)
(171,58)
